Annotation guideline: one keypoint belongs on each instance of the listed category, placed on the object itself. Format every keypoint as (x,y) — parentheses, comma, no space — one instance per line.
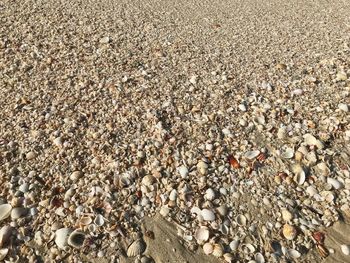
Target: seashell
(208,215)
(335,183)
(183,171)
(248,248)
(208,248)
(136,248)
(345,249)
(298,156)
(289,232)
(292,253)
(282,133)
(18,212)
(222,210)
(61,237)
(259,258)
(288,153)
(148,180)
(75,175)
(319,237)
(209,194)
(323,169)
(328,196)
(85,220)
(173,195)
(76,239)
(202,167)
(5,233)
(234,245)
(251,155)
(311,140)
(286,215)
(5,211)
(344,107)
(164,210)
(233,162)
(311,190)
(322,250)
(202,234)
(3,253)
(196,210)
(224,229)
(300,175)
(99,220)
(241,220)
(218,250)
(228,257)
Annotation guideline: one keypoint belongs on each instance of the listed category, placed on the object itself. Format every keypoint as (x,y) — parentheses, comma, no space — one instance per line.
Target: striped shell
(136,248)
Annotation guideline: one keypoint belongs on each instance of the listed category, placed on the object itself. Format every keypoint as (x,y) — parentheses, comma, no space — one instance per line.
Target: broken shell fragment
(335,183)
(76,239)
(311,140)
(5,211)
(345,249)
(288,153)
(3,253)
(289,232)
(234,245)
(136,248)
(292,253)
(5,233)
(251,155)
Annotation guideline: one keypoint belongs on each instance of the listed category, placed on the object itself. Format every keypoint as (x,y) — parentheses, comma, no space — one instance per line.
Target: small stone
(343,107)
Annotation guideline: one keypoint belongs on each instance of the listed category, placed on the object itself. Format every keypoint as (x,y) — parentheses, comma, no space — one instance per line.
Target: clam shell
(5,211)
(292,253)
(251,155)
(209,194)
(208,215)
(218,250)
(61,237)
(310,140)
(234,245)
(173,195)
(345,249)
(335,183)
(18,212)
(5,233)
(202,234)
(136,248)
(228,257)
(208,248)
(222,210)
(289,232)
(248,248)
(99,220)
(241,220)
(300,175)
(148,180)
(288,153)
(183,171)
(76,239)
(85,220)
(3,253)
(259,258)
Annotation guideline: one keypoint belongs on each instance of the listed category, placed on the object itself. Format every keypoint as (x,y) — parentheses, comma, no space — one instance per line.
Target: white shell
(300,176)
(311,140)
(183,171)
(234,245)
(228,257)
(5,233)
(286,215)
(292,253)
(76,239)
(218,250)
(288,153)
(61,237)
(311,190)
(5,211)
(173,195)
(85,220)
(99,220)
(335,183)
(208,215)
(136,248)
(3,253)
(259,258)
(251,155)
(241,220)
(202,234)
(248,248)
(223,210)
(209,194)
(148,180)
(208,248)
(75,175)
(345,249)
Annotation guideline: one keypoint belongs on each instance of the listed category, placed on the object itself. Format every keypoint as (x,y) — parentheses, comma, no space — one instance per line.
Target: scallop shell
(208,215)
(251,155)
(289,232)
(61,237)
(136,248)
(202,234)
(5,233)
(99,220)
(218,250)
(241,220)
(76,239)
(208,248)
(345,249)
(209,194)
(3,253)
(288,153)
(5,211)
